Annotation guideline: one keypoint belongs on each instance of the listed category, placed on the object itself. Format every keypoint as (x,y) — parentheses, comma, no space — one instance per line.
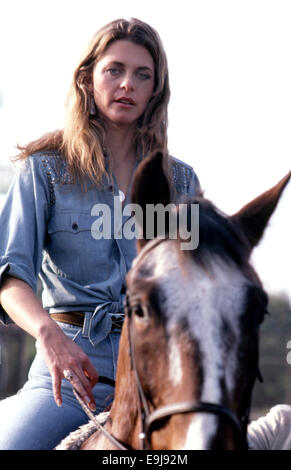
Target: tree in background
(276,372)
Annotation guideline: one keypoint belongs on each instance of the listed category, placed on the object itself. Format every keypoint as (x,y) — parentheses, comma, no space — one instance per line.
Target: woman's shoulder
(51,163)
(43,169)
(37,159)
(179,164)
(46,156)
(185,179)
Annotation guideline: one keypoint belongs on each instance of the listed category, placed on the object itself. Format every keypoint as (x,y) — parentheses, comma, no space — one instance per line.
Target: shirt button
(75,226)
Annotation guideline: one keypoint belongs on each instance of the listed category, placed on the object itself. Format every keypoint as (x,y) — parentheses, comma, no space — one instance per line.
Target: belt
(77,319)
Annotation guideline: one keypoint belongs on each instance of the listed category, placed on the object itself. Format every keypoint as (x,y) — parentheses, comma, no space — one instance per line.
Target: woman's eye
(113,71)
(143,76)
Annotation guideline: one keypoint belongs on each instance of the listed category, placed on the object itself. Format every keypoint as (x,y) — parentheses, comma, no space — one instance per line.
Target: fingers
(79,380)
(91,373)
(82,385)
(88,376)
(56,382)
(83,377)
(66,356)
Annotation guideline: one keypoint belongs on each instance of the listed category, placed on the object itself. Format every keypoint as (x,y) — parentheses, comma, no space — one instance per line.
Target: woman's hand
(61,354)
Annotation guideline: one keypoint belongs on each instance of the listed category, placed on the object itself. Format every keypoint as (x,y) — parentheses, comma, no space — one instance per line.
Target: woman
(117,115)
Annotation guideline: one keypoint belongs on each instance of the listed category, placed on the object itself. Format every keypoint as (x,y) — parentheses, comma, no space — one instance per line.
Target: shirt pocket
(70,245)
(74,253)
(73,223)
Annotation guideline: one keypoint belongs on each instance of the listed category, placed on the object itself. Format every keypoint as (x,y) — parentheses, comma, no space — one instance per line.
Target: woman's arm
(60,352)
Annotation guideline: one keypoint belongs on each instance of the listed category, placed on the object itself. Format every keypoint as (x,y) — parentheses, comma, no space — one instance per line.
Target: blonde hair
(82,140)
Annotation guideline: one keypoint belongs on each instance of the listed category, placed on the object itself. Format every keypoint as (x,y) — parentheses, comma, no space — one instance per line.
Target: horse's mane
(218,235)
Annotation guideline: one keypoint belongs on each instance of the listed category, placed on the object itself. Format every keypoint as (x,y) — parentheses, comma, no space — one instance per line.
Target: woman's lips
(123,100)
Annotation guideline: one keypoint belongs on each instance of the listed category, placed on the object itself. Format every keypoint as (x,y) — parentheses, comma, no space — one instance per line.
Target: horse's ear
(254,216)
(150,186)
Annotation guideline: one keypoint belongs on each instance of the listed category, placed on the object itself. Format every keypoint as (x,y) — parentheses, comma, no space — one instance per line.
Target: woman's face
(123,82)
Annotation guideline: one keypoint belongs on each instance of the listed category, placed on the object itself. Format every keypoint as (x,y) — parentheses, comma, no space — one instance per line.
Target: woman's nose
(127,83)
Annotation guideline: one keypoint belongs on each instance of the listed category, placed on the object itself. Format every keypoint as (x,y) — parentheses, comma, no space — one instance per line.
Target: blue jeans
(31,420)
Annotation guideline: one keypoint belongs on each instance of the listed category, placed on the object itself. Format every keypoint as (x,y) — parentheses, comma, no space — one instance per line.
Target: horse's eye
(139,311)
(256,307)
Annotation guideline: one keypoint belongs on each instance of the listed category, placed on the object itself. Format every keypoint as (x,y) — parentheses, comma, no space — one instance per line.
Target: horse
(189,346)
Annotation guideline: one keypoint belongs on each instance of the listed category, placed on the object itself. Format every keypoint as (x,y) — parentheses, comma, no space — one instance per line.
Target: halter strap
(194,407)
(148,419)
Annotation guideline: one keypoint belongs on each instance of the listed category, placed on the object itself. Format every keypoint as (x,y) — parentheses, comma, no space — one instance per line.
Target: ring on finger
(68,374)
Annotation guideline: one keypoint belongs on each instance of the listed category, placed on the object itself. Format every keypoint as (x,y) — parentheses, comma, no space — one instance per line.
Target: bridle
(150,419)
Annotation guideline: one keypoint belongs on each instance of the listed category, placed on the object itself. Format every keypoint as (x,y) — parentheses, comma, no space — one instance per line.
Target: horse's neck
(124,411)
(123,420)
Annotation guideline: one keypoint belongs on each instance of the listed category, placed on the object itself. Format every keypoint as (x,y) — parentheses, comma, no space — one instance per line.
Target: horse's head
(193,320)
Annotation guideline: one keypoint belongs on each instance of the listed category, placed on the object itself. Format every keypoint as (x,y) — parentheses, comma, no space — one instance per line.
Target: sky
(230,108)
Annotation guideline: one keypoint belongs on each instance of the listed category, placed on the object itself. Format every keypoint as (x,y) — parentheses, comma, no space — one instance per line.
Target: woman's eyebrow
(144,67)
(121,64)
(115,62)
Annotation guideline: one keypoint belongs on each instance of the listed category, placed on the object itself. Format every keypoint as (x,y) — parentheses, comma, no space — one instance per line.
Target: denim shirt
(46,231)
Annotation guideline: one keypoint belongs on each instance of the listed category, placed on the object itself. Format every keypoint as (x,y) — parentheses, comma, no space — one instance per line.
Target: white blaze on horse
(188,356)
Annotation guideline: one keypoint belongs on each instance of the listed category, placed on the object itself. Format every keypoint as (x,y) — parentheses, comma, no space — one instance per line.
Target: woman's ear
(88,82)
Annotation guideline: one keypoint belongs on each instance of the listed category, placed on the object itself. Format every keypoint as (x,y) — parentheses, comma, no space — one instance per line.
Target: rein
(120,445)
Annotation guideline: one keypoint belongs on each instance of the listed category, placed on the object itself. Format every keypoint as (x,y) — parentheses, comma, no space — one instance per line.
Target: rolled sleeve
(23,222)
